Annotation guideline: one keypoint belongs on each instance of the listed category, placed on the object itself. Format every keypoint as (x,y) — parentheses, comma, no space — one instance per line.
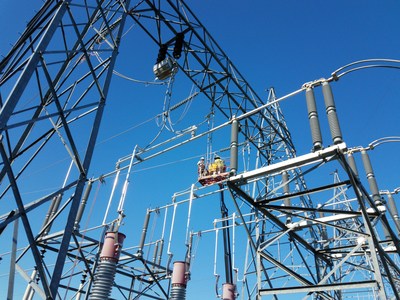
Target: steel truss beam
(329,257)
(52,62)
(210,69)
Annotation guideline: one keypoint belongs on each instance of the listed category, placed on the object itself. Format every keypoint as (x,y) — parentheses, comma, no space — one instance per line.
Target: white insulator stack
(105,273)
(179,281)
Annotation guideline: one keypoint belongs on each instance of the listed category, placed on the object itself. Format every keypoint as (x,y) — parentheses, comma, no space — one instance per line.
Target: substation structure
(294,227)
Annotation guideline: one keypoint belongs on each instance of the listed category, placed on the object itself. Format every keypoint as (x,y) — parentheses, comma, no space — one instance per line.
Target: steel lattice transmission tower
(53,92)
(52,100)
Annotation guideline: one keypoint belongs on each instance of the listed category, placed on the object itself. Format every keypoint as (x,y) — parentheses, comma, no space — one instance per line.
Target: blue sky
(280,44)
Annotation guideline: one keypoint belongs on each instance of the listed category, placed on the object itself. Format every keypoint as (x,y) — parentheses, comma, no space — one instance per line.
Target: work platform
(214,178)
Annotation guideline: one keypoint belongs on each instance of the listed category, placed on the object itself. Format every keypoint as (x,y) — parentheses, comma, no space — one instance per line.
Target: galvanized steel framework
(52,98)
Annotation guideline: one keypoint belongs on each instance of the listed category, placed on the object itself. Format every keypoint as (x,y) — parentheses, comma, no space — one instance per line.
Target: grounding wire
(145,82)
(210,126)
(165,116)
(206,120)
(187,102)
(75,262)
(138,125)
(153,229)
(241,117)
(126,130)
(245,115)
(195,247)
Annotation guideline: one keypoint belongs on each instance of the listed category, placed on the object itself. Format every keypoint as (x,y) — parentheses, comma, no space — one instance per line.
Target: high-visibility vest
(212,167)
(219,162)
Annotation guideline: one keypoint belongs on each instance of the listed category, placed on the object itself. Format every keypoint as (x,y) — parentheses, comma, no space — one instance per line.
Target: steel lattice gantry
(211,70)
(52,88)
(53,92)
(52,100)
(336,261)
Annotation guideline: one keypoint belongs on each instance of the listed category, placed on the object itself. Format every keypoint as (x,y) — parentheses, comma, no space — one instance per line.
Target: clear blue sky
(280,44)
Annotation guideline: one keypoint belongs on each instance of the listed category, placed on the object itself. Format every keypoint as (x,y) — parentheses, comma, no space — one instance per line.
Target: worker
(201,167)
(212,168)
(219,164)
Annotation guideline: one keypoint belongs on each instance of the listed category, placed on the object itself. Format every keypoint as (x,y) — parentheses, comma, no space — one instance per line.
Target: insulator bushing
(324,233)
(386,233)
(286,189)
(82,205)
(179,277)
(394,212)
(234,146)
(178,293)
(313,120)
(144,232)
(105,272)
(352,163)
(228,291)
(178,45)
(162,53)
(103,280)
(179,280)
(112,245)
(155,252)
(160,252)
(371,177)
(54,208)
(333,120)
